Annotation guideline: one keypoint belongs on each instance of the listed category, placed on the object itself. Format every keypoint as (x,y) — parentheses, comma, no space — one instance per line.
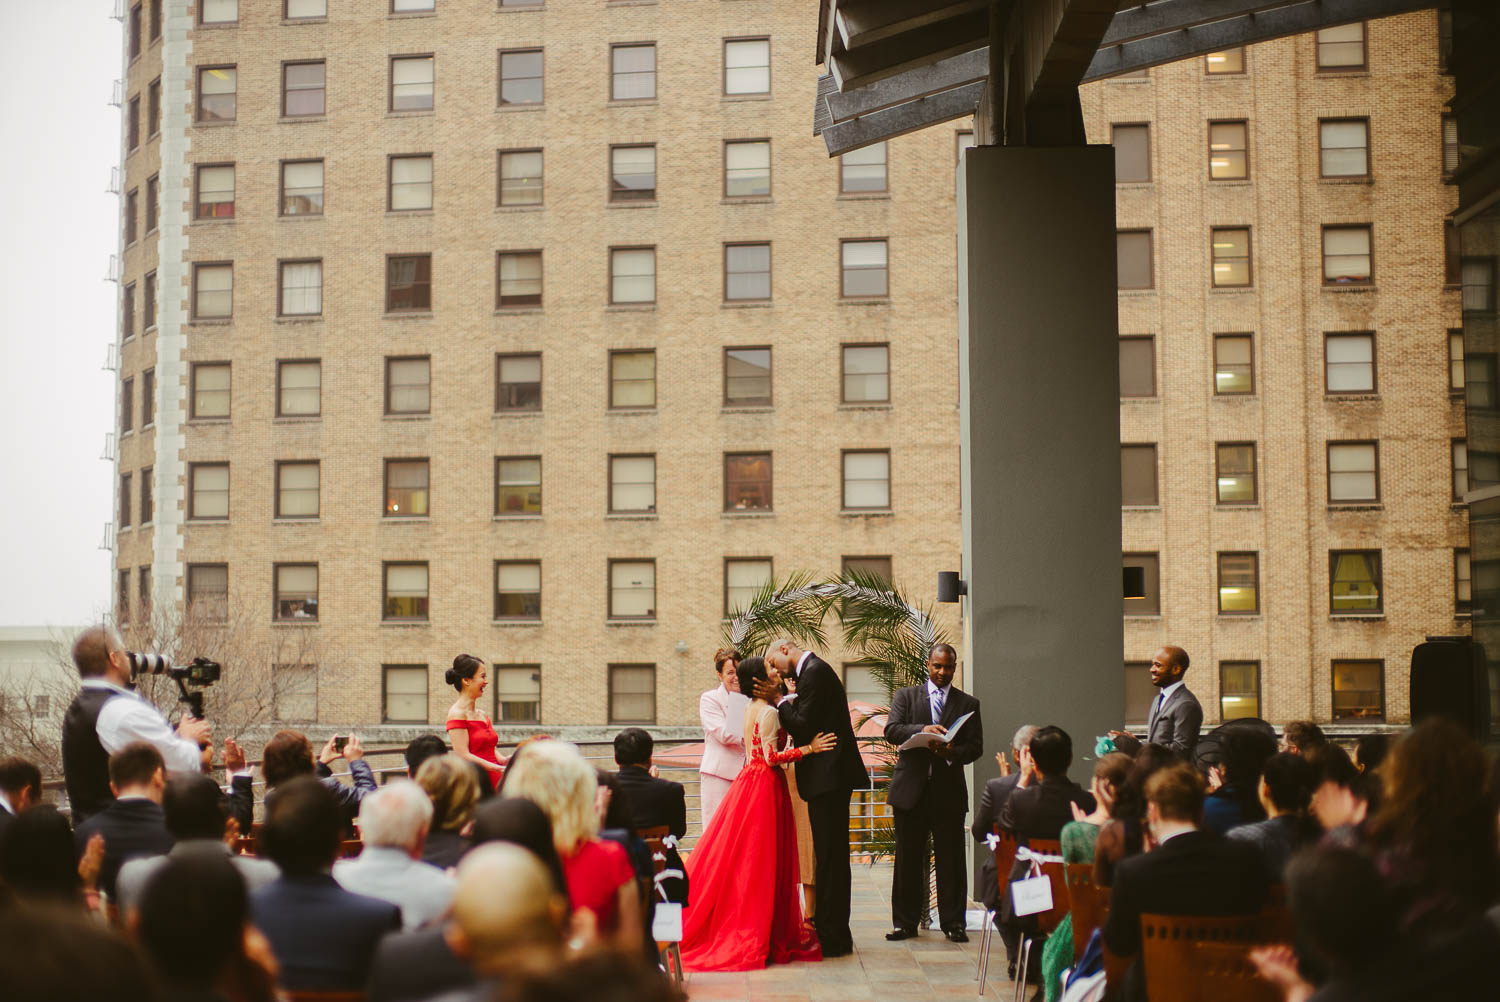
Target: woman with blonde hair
(453,787)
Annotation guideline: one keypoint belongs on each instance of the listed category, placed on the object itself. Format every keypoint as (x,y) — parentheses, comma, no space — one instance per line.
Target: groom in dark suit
(928,795)
(818,704)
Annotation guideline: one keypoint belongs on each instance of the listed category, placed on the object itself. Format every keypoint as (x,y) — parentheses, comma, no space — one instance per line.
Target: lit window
(406,488)
(518,590)
(518,485)
(1227,146)
(215,192)
(296,593)
(1235,480)
(1358,690)
(1354,577)
(1234,367)
(1239,689)
(1226,61)
(1239,583)
(1231,257)
(747,481)
(405,592)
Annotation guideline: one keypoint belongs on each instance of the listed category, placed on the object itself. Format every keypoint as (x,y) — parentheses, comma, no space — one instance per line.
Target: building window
(747,481)
(148,499)
(521,76)
(1228,156)
(1138,366)
(747,168)
(408,385)
(153,202)
(1234,473)
(418,6)
(518,693)
(518,485)
(412,83)
(1132,145)
(1239,689)
(1342,48)
(153,107)
(1463,584)
(861,685)
(1349,365)
(299,388)
(1239,583)
(1353,472)
(632,694)
(520,177)
(1477,275)
(1142,572)
(215,185)
(209,390)
(518,589)
(410,183)
(747,377)
(1225,61)
(208,490)
(132,213)
(303,89)
(747,272)
(127,405)
(1234,367)
(632,485)
(632,589)
(296,593)
(133,124)
(208,592)
(216,94)
(294,694)
(864,269)
(1346,255)
(214,11)
(1460,462)
(127,312)
(1133,268)
(632,174)
(1231,257)
(1455,360)
(867,374)
(863,170)
(302,188)
(1354,581)
(408,283)
(1452,151)
(405,594)
(301,288)
(744,578)
(633,72)
(406,488)
(1139,693)
(148,398)
(876,570)
(632,274)
(632,379)
(747,66)
(298,489)
(404,694)
(143,591)
(518,279)
(867,480)
(298,9)
(1344,147)
(148,301)
(1358,690)
(213,291)
(1138,487)
(1452,271)
(127,495)
(518,382)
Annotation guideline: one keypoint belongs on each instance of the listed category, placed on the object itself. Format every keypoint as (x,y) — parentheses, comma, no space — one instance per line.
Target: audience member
(1190,872)
(53,954)
(393,823)
(1340,798)
(323,936)
(518,820)
(1243,752)
(598,977)
(1285,791)
(453,788)
(196,820)
(1125,833)
(288,755)
(20,788)
(37,861)
(133,824)
(1301,736)
(654,802)
(421,749)
(1370,752)
(991,799)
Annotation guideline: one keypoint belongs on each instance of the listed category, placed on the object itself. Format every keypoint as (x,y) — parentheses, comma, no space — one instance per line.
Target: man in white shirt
(722,712)
(106,716)
(393,822)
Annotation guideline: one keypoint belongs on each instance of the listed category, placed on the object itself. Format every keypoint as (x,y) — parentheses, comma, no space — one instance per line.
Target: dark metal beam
(920,82)
(920,47)
(863,22)
(903,118)
(1142,22)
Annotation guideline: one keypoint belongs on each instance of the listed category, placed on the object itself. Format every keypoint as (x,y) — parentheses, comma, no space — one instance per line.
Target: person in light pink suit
(722,711)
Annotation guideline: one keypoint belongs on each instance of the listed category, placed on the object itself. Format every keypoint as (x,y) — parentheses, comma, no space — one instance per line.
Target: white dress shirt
(5,803)
(128,718)
(421,890)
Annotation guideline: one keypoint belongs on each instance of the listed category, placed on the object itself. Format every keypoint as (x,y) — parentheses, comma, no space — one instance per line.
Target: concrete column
(1040,433)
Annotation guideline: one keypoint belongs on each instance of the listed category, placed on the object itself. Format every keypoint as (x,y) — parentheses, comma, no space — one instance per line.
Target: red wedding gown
(745,911)
(482,742)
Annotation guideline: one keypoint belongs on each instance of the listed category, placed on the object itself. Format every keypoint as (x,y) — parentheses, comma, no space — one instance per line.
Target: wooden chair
(670,953)
(350,847)
(1223,973)
(1050,919)
(1005,857)
(1169,949)
(326,996)
(1088,901)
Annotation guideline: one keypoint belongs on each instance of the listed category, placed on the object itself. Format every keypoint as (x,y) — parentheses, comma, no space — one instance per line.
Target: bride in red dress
(469,728)
(745,911)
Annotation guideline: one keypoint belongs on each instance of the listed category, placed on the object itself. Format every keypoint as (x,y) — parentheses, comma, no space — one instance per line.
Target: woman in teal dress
(1078,838)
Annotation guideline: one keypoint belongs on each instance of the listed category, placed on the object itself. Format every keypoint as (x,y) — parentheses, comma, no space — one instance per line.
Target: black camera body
(200,672)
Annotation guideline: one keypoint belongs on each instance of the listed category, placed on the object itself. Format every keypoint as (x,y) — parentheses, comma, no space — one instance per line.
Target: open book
(922,739)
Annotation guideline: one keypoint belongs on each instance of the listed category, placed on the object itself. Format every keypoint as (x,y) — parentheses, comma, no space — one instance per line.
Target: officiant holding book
(928,794)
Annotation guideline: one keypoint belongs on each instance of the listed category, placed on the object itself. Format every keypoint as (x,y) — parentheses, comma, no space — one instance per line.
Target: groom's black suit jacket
(821,705)
(918,770)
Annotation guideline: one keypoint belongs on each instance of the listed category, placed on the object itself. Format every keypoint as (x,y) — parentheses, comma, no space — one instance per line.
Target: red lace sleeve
(793,754)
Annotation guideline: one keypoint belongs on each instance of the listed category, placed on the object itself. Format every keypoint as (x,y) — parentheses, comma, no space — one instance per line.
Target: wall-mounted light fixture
(949,587)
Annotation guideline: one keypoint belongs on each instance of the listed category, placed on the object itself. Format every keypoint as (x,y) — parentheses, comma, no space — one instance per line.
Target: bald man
(1176,715)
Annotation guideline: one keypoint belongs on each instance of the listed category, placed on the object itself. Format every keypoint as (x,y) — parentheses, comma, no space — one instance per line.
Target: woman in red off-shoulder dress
(469,727)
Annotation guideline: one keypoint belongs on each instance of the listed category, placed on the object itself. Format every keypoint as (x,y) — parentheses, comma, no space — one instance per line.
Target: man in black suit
(1189,872)
(20,788)
(134,823)
(993,797)
(323,936)
(928,795)
(654,801)
(1176,716)
(818,704)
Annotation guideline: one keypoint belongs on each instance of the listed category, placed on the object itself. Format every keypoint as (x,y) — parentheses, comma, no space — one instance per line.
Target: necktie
(1156,708)
(937,706)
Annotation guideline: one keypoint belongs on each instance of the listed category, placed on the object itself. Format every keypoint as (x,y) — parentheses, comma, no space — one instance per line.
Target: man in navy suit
(323,936)
(134,823)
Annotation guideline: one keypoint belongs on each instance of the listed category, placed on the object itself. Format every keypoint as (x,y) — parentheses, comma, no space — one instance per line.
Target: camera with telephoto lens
(200,672)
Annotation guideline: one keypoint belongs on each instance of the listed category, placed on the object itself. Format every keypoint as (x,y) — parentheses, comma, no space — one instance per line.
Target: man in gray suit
(1176,716)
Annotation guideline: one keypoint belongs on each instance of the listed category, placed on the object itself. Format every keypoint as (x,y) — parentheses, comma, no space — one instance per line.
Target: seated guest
(654,802)
(133,824)
(598,977)
(993,797)
(453,788)
(420,750)
(1301,736)
(195,818)
(37,860)
(518,820)
(1370,751)
(1124,834)
(322,935)
(288,755)
(194,928)
(55,954)
(393,823)
(1242,754)
(1340,797)
(20,788)
(1285,791)
(1190,872)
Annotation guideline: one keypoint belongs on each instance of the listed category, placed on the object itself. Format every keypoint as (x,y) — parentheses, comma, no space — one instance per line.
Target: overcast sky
(58,228)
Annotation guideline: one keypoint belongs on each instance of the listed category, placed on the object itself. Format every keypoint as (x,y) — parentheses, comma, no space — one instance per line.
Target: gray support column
(1040,433)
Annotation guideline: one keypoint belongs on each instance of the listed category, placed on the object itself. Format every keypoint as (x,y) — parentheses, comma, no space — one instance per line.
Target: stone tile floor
(928,967)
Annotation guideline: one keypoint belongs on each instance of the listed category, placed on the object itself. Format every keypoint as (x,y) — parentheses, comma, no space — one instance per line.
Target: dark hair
(618,814)
(286,756)
(1177,792)
(605,976)
(1289,781)
(54,953)
(198,899)
(1246,752)
(633,746)
(465,667)
(421,749)
(1304,735)
(91,652)
(520,822)
(37,859)
(1052,750)
(1345,919)
(748,672)
(304,825)
(194,806)
(17,774)
(1331,764)
(1130,801)
(946,648)
(1370,752)
(134,764)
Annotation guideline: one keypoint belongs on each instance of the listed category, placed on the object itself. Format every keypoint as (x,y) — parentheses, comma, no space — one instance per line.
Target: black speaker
(1449,678)
(950,587)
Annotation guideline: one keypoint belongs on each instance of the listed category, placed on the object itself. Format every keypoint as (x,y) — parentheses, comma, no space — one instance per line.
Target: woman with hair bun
(469,727)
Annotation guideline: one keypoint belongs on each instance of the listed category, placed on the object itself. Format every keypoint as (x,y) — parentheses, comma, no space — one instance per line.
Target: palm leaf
(792,609)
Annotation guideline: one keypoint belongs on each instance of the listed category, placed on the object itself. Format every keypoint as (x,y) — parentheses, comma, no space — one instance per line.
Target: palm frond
(792,609)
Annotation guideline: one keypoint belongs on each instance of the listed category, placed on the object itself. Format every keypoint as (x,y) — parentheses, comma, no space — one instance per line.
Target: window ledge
(300,217)
(207,521)
(630,516)
(630,308)
(864,196)
(886,407)
(1144,616)
(747,514)
(525,8)
(630,411)
(871,301)
(207,221)
(295,521)
(1351,398)
(1349,288)
(642,204)
(295,320)
(126,434)
(1366,180)
(215,124)
(636,102)
(211,322)
(148,426)
(408,315)
(1230,617)
(1139,185)
(515,518)
(304,20)
(1231,290)
(405,624)
(1254,397)
(511,415)
(739,98)
(520,208)
(1236,507)
(747,200)
(405,519)
(202,421)
(629,3)
(1135,292)
(515,622)
(123,528)
(297,119)
(297,419)
(1140,507)
(1356,507)
(1357,617)
(293,623)
(747,409)
(1458,506)
(1230,182)
(516,311)
(1330,73)
(630,622)
(746,305)
(860,513)
(410,15)
(502,109)
(406,417)
(152,330)
(412,113)
(400,213)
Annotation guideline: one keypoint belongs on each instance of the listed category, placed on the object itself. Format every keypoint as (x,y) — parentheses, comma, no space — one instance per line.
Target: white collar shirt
(130,718)
(5,803)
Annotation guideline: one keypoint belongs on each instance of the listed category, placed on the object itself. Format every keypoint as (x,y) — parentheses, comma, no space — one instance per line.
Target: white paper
(666,927)
(923,739)
(1032,896)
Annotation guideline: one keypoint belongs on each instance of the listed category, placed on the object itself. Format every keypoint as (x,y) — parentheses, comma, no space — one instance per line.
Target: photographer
(106,716)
